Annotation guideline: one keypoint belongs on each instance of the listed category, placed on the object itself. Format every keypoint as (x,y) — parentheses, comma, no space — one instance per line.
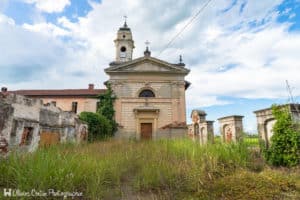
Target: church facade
(150,92)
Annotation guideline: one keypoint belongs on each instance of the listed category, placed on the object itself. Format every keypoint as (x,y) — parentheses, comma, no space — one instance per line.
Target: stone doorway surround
(146,115)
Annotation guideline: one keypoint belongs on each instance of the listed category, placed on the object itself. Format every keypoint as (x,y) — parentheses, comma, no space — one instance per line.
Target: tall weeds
(109,169)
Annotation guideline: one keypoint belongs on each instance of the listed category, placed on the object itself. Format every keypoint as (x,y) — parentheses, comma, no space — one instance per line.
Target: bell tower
(124,44)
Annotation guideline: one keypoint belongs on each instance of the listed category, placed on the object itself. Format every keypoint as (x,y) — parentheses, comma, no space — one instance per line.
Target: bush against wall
(285,142)
(99,126)
(106,107)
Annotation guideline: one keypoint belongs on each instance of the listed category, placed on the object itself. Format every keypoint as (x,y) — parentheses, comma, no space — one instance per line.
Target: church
(150,93)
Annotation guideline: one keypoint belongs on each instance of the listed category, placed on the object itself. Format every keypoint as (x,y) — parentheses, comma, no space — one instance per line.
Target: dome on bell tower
(124,44)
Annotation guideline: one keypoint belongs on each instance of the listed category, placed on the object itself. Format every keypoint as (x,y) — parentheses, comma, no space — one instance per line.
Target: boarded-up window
(27,136)
(74,107)
(48,138)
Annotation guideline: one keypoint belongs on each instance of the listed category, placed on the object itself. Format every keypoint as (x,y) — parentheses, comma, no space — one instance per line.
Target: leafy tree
(106,107)
(99,126)
(285,142)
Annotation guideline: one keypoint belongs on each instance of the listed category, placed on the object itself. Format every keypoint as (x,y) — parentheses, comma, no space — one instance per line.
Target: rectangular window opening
(74,107)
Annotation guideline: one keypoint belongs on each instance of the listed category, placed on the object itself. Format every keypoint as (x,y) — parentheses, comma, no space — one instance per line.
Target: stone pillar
(265,121)
(231,128)
(198,116)
(206,132)
(200,129)
(210,131)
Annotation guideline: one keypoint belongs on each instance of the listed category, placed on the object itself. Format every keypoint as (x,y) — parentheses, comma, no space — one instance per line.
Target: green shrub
(106,107)
(285,142)
(99,126)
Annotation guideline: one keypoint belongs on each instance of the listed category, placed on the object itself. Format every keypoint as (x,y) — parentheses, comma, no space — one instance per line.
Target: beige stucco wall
(84,104)
(169,99)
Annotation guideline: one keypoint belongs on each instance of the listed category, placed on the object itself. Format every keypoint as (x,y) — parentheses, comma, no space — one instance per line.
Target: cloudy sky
(240,52)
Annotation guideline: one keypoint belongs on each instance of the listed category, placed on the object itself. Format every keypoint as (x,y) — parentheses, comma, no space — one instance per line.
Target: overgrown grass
(165,169)
(252,141)
(249,140)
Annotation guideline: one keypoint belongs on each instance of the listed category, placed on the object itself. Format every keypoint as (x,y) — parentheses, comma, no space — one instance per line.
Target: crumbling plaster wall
(266,121)
(201,130)
(231,128)
(26,124)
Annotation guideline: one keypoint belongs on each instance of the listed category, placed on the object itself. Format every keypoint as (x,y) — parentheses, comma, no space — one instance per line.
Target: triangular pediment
(147,64)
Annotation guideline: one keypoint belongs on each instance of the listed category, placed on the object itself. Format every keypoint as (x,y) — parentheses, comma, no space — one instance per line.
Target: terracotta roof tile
(65,92)
(175,125)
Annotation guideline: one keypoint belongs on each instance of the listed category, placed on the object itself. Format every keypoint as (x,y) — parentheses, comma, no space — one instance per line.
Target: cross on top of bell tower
(147,52)
(147,43)
(125,21)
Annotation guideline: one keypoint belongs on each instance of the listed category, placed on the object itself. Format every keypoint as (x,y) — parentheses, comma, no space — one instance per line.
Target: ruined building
(201,130)
(26,124)
(266,121)
(231,128)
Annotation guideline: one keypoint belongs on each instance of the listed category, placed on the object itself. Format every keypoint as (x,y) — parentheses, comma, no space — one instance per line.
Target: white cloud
(31,59)
(47,28)
(265,59)
(6,20)
(50,6)
(242,52)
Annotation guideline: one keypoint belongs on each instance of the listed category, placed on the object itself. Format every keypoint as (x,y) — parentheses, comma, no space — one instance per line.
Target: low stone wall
(172,133)
(162,133)
(26,124)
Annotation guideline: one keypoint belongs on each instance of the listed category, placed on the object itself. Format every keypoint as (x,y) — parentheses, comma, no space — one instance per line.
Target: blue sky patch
(18,73)
(20,12)
(228,67)
(234,3)
(78,8)
(27,13)
(290,11)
